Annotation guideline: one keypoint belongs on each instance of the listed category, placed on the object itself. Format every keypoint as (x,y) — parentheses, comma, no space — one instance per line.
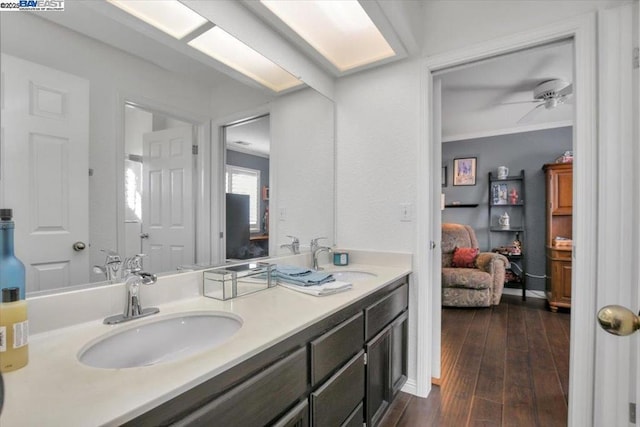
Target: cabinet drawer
(380,314)
(297,417)
(334,402)
(334,348)
(356,419)
(258,400)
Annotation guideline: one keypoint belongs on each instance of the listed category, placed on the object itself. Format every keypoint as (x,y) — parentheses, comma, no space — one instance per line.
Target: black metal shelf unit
(508,195)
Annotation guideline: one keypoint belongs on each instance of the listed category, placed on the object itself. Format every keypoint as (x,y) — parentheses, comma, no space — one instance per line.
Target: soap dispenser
(14,331)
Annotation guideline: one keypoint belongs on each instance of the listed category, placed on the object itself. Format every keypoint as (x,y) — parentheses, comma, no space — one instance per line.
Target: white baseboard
(532,294)
(410,387)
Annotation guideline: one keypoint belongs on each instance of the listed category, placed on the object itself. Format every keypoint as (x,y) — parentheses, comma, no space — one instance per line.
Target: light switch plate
(406,212)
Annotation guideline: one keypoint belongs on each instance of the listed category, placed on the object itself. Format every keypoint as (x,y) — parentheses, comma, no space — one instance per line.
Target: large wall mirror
(114,140)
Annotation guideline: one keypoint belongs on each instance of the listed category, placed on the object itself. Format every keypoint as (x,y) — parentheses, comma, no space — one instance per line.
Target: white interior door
(167,205)
(45,147)
(616,358)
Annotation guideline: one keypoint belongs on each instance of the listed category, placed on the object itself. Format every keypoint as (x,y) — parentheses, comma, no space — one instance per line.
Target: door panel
(45,133)
(167,206)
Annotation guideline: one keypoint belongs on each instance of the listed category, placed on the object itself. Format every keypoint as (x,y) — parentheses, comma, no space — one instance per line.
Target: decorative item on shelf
(510,276)
(517,245)
(464,171)
(567,157)
(513,196)
(504,221)
(562,242)
(503,172)
(510,250)
(499,194)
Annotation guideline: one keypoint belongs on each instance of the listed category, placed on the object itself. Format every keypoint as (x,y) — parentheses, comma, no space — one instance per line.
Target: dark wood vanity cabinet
(342,371)
(386,370)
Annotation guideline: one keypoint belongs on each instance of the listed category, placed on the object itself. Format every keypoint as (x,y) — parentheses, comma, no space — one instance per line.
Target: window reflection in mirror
(247,188)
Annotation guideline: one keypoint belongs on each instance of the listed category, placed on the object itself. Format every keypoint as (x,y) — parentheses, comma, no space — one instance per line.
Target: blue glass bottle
(12,273)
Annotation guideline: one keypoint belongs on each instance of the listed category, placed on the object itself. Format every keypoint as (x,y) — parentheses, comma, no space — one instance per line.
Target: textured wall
(378,125)
(528,151)
(302,164)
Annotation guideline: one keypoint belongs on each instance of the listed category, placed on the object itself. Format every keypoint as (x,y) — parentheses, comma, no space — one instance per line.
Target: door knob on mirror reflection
(618,320)
(144,235)
(79,246)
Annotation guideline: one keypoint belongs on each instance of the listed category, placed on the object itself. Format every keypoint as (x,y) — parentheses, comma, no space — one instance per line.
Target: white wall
(378,123)
(459,23)
(379,118)
(302,169)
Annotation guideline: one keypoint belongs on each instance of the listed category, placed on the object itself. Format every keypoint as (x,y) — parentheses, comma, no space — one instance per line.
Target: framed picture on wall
(444,176)
(464,171)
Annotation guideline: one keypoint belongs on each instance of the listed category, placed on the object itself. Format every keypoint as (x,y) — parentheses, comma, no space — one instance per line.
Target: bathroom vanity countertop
(55,389)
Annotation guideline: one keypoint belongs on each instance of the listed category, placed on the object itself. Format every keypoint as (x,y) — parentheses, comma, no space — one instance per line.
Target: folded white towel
(320,290)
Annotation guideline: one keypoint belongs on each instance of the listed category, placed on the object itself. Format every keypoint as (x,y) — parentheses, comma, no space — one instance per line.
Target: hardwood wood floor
(501,366)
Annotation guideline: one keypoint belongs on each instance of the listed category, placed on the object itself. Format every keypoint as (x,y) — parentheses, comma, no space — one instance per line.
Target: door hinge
(636,57)
(365,358)
(194,150)
(632,412)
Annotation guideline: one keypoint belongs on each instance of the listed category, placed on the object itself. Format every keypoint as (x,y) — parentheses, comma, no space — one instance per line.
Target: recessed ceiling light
(340,30)
(225,48)
(169,16)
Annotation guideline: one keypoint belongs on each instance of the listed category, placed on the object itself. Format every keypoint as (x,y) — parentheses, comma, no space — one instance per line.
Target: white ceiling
(473,96)
(253,135)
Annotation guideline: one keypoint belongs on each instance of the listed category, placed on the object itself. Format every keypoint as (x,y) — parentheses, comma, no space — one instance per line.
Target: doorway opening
(444,157)
(247,148)
(159,183)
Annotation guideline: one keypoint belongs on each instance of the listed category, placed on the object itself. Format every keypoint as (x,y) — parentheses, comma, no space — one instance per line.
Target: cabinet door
(398,353)
(378,374)
(562,192)
(562,281)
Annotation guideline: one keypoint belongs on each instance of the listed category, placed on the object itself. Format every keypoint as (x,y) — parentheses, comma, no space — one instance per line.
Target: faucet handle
(112,256)
(314,243)
(134,263)
(294,239)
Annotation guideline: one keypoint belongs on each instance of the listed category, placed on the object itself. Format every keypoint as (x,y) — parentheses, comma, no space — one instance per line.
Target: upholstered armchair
(478,286)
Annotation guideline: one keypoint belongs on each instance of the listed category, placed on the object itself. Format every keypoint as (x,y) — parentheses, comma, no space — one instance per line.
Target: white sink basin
(351,275)
(163,339)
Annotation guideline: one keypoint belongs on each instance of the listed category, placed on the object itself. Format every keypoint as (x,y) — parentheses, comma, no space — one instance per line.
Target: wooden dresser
(559,233)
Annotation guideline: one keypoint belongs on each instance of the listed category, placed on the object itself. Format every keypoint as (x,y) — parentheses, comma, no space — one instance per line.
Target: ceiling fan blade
(566,91)
(521,102)
(531,114)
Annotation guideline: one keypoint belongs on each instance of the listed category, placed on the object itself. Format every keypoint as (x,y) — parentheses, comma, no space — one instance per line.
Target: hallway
(503,366)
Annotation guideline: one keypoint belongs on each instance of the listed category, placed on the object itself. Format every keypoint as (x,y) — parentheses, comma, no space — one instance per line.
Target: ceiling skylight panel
(225,48)
(340,30)
(169,16)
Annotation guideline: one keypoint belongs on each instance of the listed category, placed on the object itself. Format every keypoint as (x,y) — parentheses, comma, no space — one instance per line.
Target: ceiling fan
(548,95)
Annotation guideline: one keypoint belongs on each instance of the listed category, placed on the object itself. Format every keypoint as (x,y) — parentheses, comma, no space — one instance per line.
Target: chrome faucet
(314,243)
(294,246)
(317,252)
(133,309)
(132,264)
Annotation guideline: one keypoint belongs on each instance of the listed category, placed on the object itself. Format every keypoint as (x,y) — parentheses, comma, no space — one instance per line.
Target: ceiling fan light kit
(551,89)
(549,94)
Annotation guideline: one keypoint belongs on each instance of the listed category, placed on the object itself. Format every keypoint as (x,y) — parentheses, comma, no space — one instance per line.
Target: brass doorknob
(618,320)
(79,246)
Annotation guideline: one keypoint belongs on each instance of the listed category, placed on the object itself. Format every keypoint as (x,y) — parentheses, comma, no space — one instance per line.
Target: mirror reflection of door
(247,186)
(45,132)
(159,211)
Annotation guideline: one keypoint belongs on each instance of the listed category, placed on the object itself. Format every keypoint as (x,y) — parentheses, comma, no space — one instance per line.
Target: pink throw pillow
(465,257)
